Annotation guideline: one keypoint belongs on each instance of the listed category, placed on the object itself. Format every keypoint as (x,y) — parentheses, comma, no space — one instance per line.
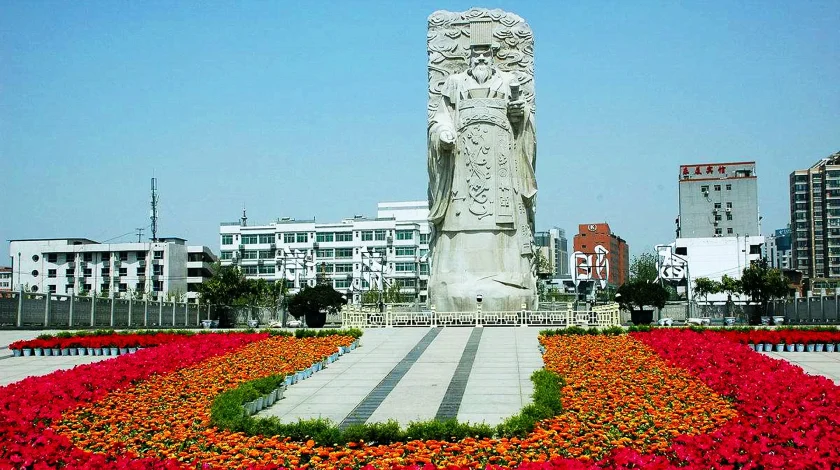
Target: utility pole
(139,235)
(153,212)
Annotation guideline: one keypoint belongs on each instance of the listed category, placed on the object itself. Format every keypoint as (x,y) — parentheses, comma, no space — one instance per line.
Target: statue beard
(481,73)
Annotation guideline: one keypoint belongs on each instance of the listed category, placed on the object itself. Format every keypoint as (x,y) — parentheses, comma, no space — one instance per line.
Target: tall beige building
(815,223)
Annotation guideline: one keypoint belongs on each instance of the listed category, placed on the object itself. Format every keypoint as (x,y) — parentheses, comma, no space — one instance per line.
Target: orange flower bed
(619,394)
(168,416)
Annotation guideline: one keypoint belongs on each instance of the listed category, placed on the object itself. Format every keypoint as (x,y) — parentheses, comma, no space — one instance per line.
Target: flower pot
(97,351)
(829,347)
(56,351)
(765,321)
(778,320)
(271,397)
(789,347)
(260,403)
(74,351)
(91,351)
(38,351)
(27,352)
(819,347)
(780,347)
(759,347)
(81,351)
(123,350)
(47,352)
(280,391)
(253,323)
(809,347)
(115,351)
(768,347)
(132,350)
(800,347)
(206,324)
(16,352)
(728,321)
(65,351)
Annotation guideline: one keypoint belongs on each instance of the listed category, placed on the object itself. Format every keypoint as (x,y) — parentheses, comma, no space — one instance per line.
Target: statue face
(481,55)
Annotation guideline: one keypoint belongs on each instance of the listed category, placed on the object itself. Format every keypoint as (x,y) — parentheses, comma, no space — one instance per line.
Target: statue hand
(447,139)
(516,109)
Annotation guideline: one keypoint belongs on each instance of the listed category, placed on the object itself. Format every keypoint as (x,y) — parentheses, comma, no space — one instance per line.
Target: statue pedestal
(461,296)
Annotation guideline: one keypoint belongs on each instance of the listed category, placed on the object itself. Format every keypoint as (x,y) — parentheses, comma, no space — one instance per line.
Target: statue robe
(481,198)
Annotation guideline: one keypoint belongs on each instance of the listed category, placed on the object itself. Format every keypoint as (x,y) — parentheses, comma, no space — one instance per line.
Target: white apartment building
(82,266)
(5,279)
(356,255)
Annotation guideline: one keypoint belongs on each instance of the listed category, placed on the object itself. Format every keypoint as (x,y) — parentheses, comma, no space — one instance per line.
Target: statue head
(481,49)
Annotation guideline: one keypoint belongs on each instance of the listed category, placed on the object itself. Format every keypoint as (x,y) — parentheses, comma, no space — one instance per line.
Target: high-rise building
(600,255)
(356,255)
(815,223)
(718,200)
(81,266)
(554,247)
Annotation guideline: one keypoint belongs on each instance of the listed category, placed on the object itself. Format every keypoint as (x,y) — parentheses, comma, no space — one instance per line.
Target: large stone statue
(482,152)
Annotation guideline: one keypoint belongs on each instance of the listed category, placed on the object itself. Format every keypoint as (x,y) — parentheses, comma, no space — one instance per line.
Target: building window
(718,231)
(405,251)
(717,205)
(344,236)
(718,218)
(123,287)
(728,216)
(729,230)
(424,238)
(343,252)
(227,239)
(405,234)
(405,282)
(52,273)
(250,239)
(88,273)
(301,237)
(324,253)
(729,187)
(267,269)
(288,237)
(266,238)
(124,272)
(717,187)
(68,273)
(52,257)
(249,270)
(250,254)
(404,267)
(367,235)
(226,255)
(379,235)
(266,254)
(157,270)
(158,254)
(342,283)
(704,189)
(729,205)
(324,237)
(343,268)
(52,289)
(424,269)
(157,286)
(88,256)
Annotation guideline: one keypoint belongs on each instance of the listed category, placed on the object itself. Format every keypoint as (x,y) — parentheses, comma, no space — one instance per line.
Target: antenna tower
(153,212)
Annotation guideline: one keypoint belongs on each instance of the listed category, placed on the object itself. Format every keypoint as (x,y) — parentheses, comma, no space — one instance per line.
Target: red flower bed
(787,419)
(29,407)
(100,341)
(782,336)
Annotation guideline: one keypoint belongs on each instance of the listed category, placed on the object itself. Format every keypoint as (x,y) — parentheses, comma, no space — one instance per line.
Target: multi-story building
(82,266)
(600,255)
(815,223)
(718,200)
(355,255)
(199,268)
(554,247)
(5,279)
(778,249)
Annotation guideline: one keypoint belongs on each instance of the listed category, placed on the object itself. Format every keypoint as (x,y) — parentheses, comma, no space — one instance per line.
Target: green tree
(226,287)
(643,268)
(703,287)
(635,295)
(314,303)
(763,284)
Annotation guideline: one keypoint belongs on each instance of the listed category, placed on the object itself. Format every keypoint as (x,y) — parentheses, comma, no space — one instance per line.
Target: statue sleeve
(440,161)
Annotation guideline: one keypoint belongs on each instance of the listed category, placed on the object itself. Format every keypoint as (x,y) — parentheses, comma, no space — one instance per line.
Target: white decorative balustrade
(600,316)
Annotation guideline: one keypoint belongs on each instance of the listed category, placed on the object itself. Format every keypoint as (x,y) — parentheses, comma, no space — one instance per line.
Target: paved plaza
(406,374)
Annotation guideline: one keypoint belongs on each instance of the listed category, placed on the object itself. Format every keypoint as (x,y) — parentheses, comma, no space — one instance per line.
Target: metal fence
(807,310)
(28,310)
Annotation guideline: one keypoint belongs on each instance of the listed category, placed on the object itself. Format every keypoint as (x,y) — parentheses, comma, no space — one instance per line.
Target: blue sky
(317,109)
